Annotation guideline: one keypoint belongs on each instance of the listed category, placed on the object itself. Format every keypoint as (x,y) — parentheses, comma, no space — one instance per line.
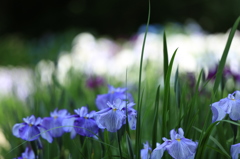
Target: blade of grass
(165,55)
(224,56)
(119,144)
(129,146)
(155,120)
(216,142)
(138,134)
(166,96)
(177,89)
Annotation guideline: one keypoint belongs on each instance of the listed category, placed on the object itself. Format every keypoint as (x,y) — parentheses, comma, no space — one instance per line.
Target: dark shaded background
(31,30)
(32,18)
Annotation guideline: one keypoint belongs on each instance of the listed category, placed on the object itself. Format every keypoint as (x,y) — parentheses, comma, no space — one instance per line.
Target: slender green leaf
(166,95)
(129,146)
(224,55)
(165,56)
(155,120)
(216,142)
(138,135)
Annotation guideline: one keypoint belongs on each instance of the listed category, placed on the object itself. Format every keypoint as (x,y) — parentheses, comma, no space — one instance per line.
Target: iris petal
(29,133)
(45,134)
(15,129)
(112,120)
(158,151)
(86,127)
(235,150)
(235,111)
(180,149)
(218,113)
(54,125)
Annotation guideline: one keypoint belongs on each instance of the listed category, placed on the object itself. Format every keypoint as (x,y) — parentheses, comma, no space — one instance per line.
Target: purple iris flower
(178,147)
(83,123)
(112,95)
(31,129)
(146,151)
(27,154)
(229,105)
(212,73)
(94,82)
(54,123)
(114,116)
(235,151)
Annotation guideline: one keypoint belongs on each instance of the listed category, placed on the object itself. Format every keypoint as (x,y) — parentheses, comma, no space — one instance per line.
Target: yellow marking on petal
(232,99)
(86,117)
(30,125)
(178,139)
(55,117)
(114,109)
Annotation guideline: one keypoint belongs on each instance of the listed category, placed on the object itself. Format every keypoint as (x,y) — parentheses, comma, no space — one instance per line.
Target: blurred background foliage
(26,26)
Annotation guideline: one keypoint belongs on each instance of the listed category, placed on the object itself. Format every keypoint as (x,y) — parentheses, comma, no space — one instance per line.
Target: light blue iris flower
(178,147)
(54,123)
(31,129)
(114,116)
(235,151)
(82,123)
(112,95)
(229,105)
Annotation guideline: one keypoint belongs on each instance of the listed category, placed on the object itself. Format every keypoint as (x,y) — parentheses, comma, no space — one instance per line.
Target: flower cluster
(116,108)
(229,105)
(178,147)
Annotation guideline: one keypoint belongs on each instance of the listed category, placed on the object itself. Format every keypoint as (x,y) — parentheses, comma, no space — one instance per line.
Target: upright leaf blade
(155,120)
(166,96)
(165,56)
(129,146)
(224,56)
(138,134)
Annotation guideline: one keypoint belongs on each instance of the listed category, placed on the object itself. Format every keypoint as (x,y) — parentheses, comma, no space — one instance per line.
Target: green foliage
(177,105)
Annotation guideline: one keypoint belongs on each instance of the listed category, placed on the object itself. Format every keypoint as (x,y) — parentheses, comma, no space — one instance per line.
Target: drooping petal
(29,133)
(101,101)
(132,119)
(67,124)
(218,113)
(235,151)
(16,128)
(54,125)
(111,120)
(73,133)
(181,148)
(45,134)
(86,127)
(235,111)
(158,151)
